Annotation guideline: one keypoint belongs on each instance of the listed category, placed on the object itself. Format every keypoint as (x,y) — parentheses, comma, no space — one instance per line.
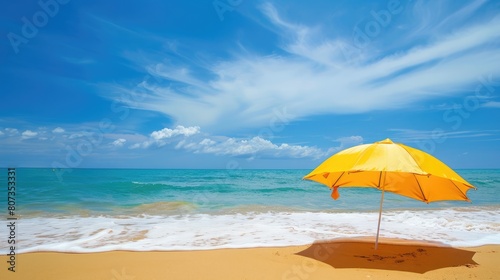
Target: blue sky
(246,84)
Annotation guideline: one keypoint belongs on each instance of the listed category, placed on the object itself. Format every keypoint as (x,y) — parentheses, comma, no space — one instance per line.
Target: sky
(246,84)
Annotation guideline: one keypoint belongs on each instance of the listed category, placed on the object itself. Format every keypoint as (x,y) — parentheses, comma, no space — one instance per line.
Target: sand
(336,259)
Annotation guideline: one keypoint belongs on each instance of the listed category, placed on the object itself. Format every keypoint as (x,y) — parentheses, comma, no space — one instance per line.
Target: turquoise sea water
(108,209)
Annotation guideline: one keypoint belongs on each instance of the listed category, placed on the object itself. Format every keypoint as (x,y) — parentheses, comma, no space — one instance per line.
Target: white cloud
(254,147)
(491,104)
(137,146)
(222,145)
(11,131)
(207,142)
(179,130)
(76,135)
(58,130)
(27,134)
(163,136)
(314,77)
(119,142)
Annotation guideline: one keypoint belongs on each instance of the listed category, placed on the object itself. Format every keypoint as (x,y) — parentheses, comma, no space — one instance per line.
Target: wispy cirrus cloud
(439,135)
(435,17)
(312,76)
(461,14)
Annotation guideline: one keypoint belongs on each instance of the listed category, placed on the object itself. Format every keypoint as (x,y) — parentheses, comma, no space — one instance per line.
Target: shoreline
(349,258)
(467,227)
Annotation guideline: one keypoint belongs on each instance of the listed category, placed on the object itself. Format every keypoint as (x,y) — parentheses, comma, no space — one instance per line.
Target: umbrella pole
(379,218)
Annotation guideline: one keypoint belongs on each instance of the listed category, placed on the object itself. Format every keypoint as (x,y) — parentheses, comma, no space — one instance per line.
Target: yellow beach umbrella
(391,167)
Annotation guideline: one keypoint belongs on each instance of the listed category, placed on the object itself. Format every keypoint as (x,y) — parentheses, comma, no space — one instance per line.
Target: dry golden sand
(337,259)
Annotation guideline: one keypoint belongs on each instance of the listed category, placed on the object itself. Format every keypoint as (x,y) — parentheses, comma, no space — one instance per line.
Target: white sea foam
(455,227)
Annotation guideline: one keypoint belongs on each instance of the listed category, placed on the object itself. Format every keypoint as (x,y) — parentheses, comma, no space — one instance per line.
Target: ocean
(95,210)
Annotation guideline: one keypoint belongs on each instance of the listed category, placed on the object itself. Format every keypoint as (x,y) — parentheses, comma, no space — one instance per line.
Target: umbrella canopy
(391,167)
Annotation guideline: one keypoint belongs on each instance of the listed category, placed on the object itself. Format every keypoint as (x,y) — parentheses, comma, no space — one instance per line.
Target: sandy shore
(337,259)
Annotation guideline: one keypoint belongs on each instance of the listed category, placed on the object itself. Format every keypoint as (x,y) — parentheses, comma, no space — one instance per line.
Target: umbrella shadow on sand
(416,257)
